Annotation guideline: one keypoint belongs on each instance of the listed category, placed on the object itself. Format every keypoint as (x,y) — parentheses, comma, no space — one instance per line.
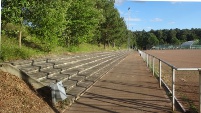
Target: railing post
(199,90)
(153,65)
(142,54)
(145,57)
(149,61)
(173,89)
(160,73)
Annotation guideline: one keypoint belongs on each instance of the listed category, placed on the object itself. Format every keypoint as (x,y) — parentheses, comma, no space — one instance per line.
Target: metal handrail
(174,67)
(173,76)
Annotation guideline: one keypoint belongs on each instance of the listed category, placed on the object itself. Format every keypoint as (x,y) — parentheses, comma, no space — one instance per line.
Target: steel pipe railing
(145,57)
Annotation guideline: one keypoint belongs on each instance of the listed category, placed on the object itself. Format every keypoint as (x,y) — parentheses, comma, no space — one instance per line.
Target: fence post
(199,90)
(153,65)
(160,73)
(173,89)
(142,54)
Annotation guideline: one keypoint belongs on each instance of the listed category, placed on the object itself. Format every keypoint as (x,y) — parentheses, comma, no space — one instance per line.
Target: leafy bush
(11,51)
(85,47)
(14,52)
(38,43)
(73,49)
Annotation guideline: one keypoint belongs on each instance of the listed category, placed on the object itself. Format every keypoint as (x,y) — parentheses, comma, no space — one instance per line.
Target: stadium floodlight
(0,30)
(128,28)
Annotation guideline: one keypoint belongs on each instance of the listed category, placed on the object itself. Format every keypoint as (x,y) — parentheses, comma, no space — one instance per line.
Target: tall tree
(84,18)
(47,20)
(114,28)
(171,34)
(106,27)
(152,39)
(13,13)
(175,41)
(159,35)
(121,32)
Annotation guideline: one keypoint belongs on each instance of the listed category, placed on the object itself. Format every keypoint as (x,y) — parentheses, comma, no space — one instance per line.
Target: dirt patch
(179,58)
(186,82)
(16,96)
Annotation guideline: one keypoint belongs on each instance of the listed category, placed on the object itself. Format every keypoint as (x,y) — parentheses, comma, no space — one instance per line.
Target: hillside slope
(16,96)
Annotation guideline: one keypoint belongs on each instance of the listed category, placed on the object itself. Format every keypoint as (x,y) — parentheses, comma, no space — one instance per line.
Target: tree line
(146,40)
(45,24)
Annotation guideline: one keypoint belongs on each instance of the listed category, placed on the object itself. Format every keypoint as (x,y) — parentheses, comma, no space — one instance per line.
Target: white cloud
(135,19)
(167,0)
(157,20)
(138,1)
(132,24)
(137,11)
(174,2)
(121,12)
(172,22)
(119,1)
(148,27)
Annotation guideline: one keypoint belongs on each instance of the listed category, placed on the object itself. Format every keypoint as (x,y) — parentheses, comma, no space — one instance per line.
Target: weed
(192,107)
(169,94)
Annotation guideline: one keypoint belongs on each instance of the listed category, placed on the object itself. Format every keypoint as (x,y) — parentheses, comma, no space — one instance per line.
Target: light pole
(0,29)
(128,28)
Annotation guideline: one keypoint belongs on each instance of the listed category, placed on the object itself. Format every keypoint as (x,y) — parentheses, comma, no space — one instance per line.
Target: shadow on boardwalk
(128,88)
(138,104)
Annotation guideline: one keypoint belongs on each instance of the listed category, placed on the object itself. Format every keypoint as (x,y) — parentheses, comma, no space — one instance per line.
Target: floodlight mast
(0,30)
(128,28)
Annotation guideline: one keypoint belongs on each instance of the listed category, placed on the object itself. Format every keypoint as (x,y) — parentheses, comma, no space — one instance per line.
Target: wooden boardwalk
(128,88)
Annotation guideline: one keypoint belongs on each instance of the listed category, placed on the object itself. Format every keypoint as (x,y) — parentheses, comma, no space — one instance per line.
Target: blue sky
(160,15)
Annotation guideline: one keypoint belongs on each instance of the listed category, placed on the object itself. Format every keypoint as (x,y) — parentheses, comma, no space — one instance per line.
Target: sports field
(179,58)
(187,82)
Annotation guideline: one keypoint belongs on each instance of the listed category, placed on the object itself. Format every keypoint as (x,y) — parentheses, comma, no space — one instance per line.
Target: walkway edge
(73,100)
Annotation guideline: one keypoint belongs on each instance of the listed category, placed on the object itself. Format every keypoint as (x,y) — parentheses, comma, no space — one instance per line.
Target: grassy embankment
(10,50)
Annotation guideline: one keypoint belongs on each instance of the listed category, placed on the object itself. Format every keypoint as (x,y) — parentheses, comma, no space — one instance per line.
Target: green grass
(10,50)
(89,48)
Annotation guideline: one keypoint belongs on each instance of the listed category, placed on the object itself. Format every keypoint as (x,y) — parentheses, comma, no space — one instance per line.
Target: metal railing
(151,64)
